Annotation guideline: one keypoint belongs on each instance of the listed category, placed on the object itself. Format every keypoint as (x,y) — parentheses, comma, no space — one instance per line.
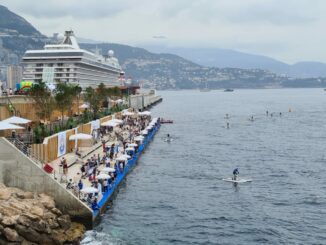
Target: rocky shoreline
(30,218)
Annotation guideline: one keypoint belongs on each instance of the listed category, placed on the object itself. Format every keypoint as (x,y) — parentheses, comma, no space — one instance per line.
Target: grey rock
(28,233)
(12,235)
(64,221)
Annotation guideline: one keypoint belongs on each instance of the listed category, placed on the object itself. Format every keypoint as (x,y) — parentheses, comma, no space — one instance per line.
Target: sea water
(175,194)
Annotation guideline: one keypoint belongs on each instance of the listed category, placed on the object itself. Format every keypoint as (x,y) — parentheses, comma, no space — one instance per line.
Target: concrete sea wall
(17,170)
(142,101)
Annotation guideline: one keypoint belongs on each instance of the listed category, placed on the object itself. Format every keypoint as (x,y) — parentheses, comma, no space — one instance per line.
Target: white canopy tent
(16,120)
(80,137)
(5,126)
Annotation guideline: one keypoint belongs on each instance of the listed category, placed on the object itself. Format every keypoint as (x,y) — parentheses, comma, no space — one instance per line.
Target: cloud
(159,37)
(286,29)
(277,12)
(75,8)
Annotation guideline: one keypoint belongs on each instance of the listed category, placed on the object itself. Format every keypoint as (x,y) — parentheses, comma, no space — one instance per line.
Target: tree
(63,95)
(77,92)
(44,101)
(96,97)
(114,91)
(92,97)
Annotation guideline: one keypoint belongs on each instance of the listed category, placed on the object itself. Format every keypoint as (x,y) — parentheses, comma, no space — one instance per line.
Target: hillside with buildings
(152,70)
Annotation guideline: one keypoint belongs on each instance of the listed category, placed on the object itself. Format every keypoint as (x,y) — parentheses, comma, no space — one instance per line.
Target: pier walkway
(74,174)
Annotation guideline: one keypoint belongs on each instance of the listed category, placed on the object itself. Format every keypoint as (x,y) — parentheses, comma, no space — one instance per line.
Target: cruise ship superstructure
(67,62)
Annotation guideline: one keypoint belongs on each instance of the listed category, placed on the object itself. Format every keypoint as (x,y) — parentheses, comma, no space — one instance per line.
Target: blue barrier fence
(121,175)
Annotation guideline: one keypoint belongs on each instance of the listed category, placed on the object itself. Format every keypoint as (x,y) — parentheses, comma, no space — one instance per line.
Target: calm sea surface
(175,194)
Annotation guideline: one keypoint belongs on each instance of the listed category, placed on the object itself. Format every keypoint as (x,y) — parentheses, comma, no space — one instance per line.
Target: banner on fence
(61,143)
(95,125)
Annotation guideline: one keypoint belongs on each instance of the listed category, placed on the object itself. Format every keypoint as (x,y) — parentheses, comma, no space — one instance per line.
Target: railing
(11,108)
(26,150)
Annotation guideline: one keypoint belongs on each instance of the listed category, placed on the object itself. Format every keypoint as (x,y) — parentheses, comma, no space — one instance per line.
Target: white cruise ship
(67,62)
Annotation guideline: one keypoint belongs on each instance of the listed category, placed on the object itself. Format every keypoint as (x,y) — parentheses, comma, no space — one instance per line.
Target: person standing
(64,166)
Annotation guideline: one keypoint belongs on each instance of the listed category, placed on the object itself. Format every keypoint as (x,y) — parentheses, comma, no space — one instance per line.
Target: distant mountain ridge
(11,24)
(153,70)
(223,58)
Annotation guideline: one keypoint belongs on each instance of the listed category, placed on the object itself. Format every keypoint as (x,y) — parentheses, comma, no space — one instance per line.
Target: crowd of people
(100,170)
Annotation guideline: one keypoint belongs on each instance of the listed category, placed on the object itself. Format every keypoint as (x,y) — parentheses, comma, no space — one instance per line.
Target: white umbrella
(84,106)
(132,144)
(128,113)
(139,138)
(126,155)
(117,121)
(130,149)
(89,190)
(108,170)
(144,113)
(80,137)
(103,176)
(17,120)
(121,158)
(5,126)
(112,122)
(144,132)
(109,124)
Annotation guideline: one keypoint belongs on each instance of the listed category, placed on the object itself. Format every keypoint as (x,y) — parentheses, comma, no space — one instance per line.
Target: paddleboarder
(235,173)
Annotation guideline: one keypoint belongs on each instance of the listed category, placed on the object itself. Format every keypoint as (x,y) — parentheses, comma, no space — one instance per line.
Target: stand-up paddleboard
(237,181)
(168,140)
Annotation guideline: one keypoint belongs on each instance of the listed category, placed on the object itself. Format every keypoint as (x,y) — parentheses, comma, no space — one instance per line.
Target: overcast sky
(288,30)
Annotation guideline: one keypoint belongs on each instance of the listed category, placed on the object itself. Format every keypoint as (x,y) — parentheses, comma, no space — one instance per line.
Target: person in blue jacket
(235,173)
(95,206)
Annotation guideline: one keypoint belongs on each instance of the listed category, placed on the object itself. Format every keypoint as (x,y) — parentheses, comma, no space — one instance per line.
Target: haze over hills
(162,70)
(15,24)
(217,57)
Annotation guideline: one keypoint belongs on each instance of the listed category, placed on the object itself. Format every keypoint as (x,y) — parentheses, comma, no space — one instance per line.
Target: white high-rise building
(67,62)
(14,76)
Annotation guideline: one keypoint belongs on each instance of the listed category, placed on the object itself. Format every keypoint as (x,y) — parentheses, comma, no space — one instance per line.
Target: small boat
(228,90)
(166,121)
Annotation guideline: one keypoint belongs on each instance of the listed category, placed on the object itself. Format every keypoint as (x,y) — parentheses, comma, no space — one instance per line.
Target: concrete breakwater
(30,218)
(144,100)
